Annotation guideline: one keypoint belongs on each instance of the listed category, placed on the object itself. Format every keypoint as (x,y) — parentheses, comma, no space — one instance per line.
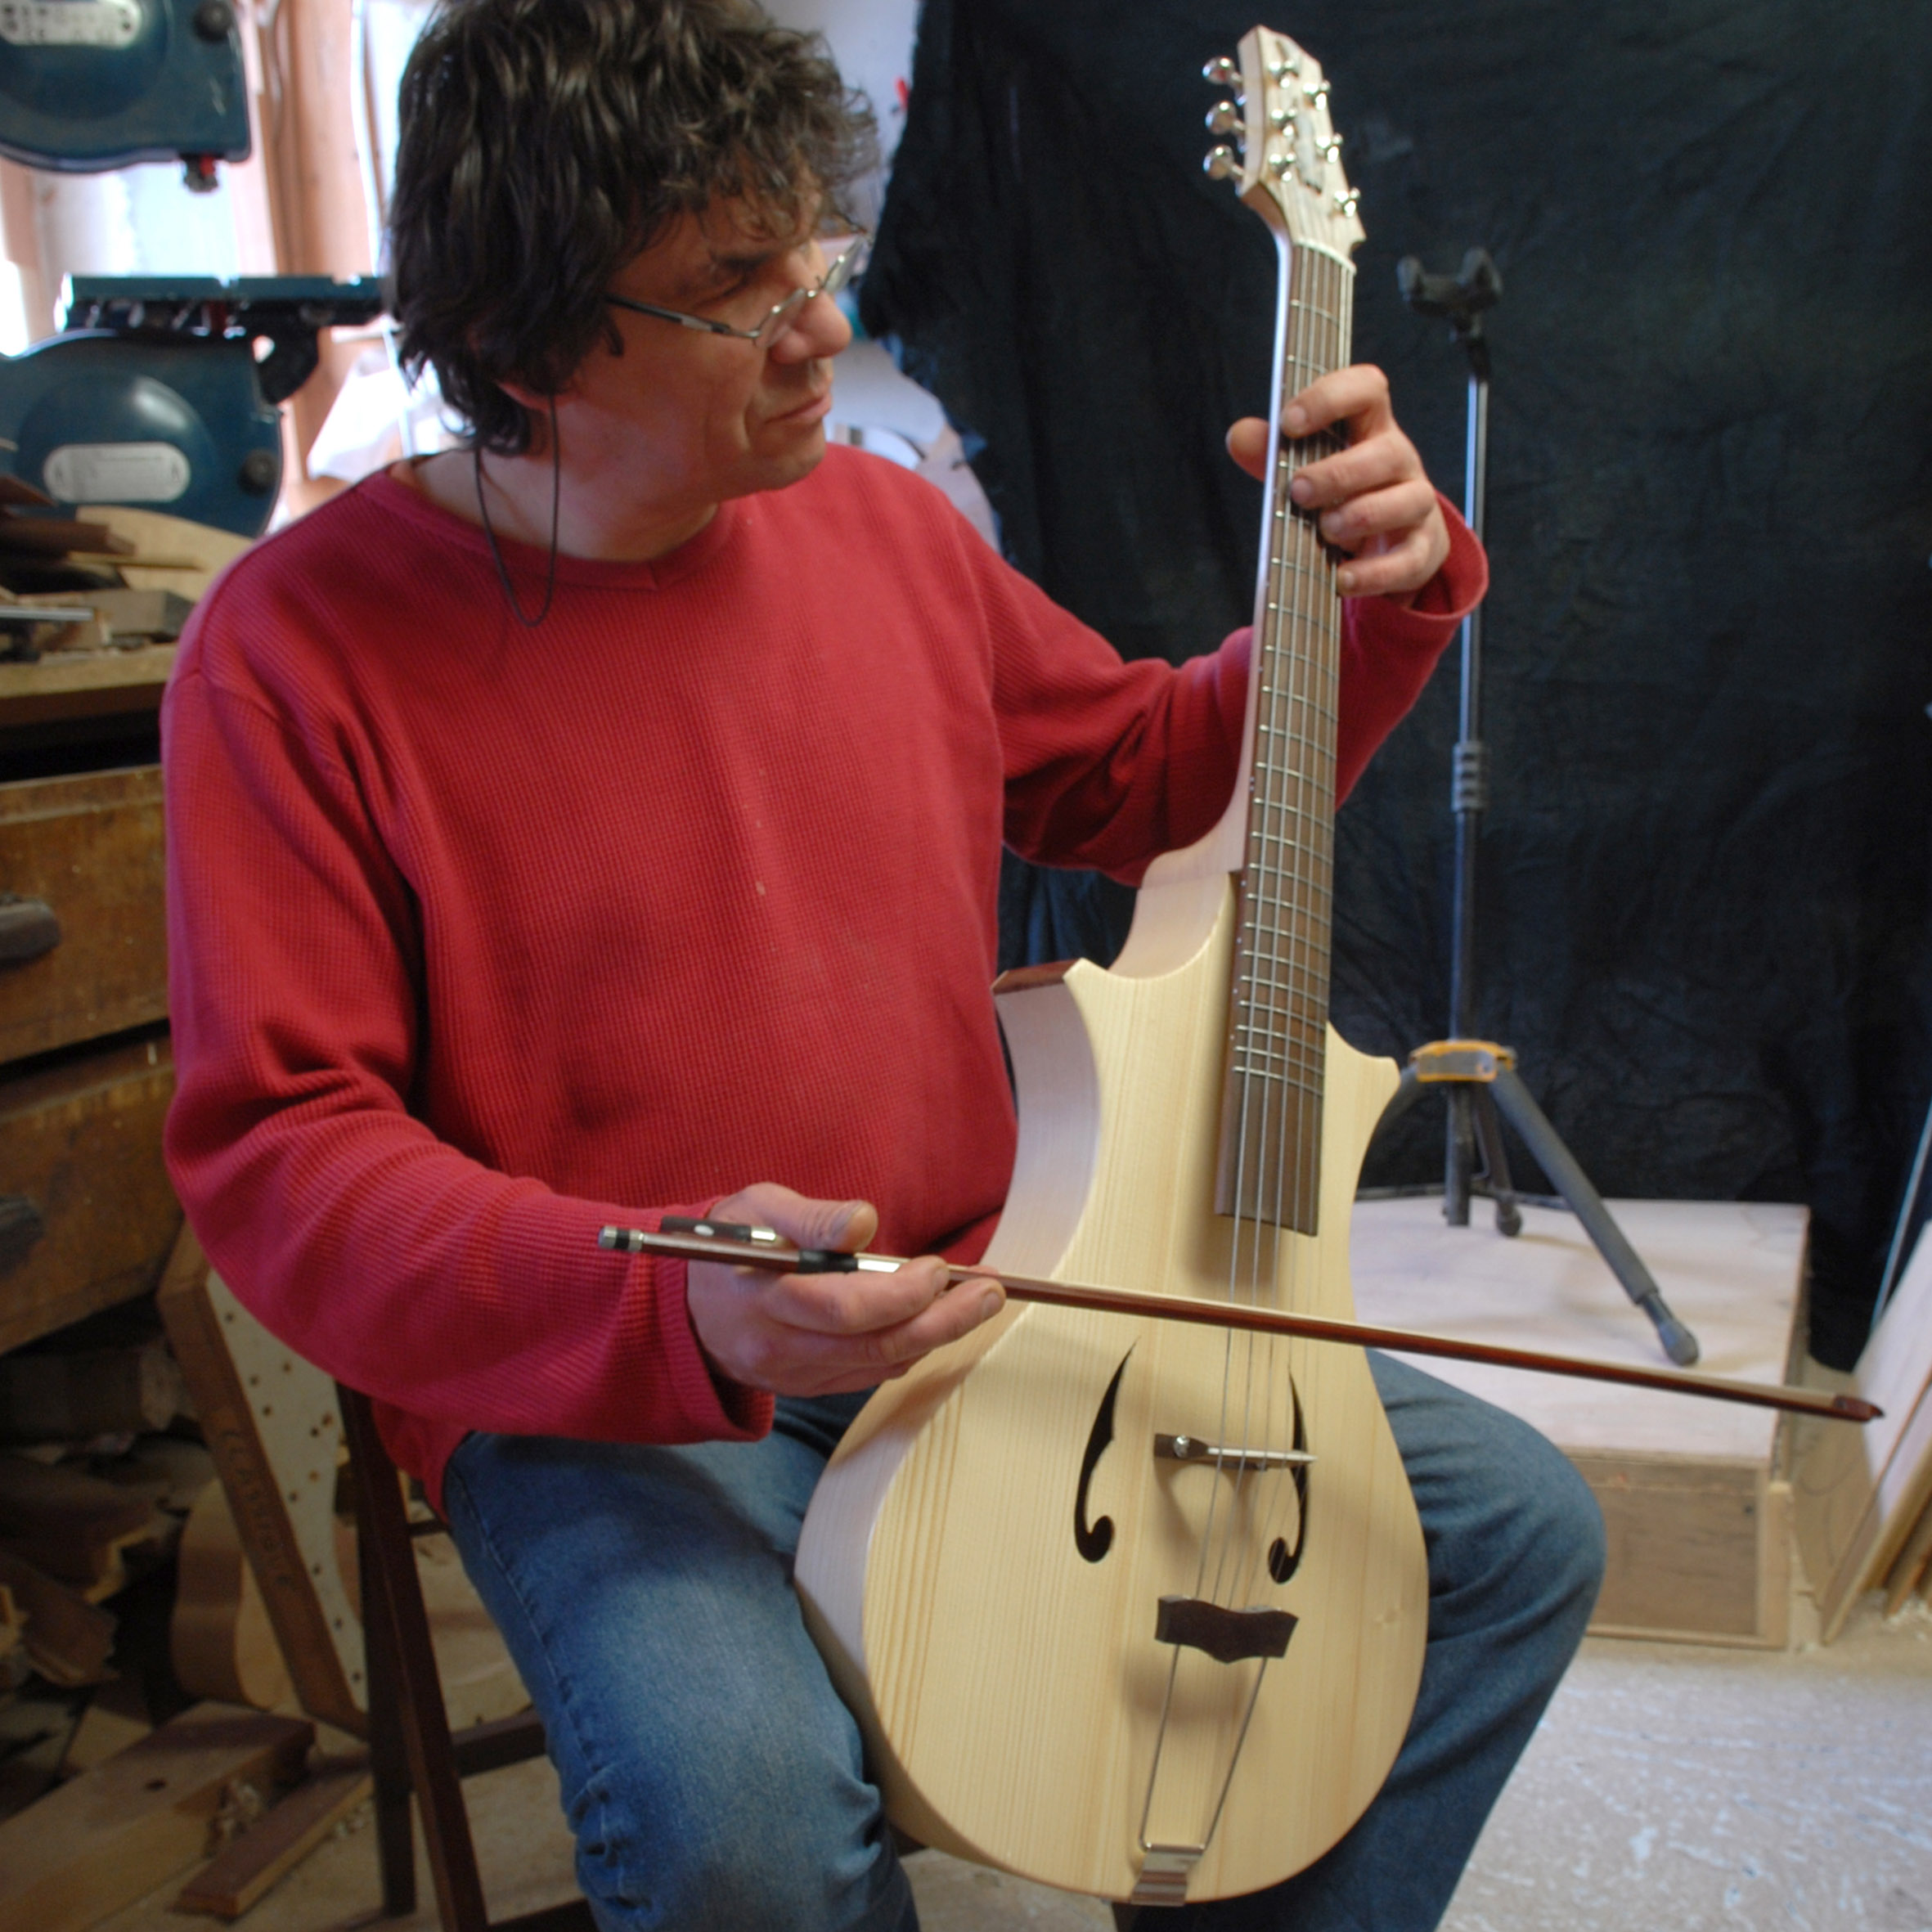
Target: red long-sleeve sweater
(480,937)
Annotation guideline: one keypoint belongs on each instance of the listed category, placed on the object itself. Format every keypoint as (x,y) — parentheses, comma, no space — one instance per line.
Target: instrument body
(1010,1689)
(1128,1608)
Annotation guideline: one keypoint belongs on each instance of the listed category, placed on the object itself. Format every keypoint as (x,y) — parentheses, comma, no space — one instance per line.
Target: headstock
(1278,144)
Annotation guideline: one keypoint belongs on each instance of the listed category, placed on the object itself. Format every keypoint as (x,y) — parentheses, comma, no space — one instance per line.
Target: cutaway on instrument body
(1132,1608)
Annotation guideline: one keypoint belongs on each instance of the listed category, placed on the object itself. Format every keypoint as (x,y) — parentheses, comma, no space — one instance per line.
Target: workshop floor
(1669,1790)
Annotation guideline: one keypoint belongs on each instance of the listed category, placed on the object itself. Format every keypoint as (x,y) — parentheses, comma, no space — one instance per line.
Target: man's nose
(818,330)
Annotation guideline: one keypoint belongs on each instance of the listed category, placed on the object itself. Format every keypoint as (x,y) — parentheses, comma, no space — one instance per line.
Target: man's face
(687,418)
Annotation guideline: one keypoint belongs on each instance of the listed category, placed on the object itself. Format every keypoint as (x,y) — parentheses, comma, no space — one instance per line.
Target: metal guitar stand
(1478,1078)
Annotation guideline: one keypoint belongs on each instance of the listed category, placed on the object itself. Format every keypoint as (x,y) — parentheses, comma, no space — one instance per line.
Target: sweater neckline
(392,498)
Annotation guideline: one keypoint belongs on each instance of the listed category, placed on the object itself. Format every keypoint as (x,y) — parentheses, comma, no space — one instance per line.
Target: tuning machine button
(1220,163)
(1348,202)
(1220,72)
(1280,161)
(1317,90)
(1281,66)
(1225,118)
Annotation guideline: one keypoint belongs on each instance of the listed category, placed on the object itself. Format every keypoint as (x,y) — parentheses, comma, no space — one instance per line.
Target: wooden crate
(1695,1496)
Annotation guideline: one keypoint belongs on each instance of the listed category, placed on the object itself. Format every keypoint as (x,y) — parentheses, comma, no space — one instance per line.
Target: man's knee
(1558,1527)
(1512,1530)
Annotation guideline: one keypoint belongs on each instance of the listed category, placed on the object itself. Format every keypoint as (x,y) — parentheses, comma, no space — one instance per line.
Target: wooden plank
(1858,1492)
(287,1525)
(1731,1269)
(1909,1567)
(229,1885)
(98,1843)
(164,545)
(81,1143)
(90,846)
(69,685)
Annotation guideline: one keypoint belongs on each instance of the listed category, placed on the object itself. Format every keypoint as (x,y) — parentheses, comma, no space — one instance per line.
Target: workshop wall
(1704,893)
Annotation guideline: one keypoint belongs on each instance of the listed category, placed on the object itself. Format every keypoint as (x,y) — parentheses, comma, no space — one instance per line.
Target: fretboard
(1272,1118)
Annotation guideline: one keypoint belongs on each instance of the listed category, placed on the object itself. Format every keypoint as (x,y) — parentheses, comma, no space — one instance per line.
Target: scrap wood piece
(156,614)
(52,1395)
(269,1849)
(71,1524)
(16,489)
(169,553)
(55,537)
(174,1470)
(66,1638)
(131,1823)
(271,1422)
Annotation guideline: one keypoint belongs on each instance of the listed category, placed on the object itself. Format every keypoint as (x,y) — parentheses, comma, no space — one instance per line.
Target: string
(550,588)
(1310,931)
(1280,988)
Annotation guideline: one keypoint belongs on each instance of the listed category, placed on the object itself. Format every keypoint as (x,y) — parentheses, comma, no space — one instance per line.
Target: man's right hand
(825,1334)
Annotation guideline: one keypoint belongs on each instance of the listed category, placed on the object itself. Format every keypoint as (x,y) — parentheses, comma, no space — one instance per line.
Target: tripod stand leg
(1488,1135)
(1556,1160)
(1458,1158)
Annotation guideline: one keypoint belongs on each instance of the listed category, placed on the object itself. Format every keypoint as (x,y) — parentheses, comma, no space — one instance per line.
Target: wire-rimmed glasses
(839,271)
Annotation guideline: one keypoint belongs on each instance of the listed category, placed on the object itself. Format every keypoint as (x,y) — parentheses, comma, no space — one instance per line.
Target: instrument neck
(1282,965)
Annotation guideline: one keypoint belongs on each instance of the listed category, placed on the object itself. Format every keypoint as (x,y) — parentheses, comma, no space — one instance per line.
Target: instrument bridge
(1191,1449)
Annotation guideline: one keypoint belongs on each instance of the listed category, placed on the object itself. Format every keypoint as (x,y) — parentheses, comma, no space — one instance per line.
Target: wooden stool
(410,1743)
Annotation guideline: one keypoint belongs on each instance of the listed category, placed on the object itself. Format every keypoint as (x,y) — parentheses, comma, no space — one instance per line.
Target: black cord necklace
(482,509)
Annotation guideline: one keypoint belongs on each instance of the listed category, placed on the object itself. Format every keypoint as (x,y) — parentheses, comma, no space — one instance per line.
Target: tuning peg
(1317,90)
(1220,72)
(1348,202)
(1281,118)
(1223,118)
(1331,146)
(1280,161)
(1220,163)
(1281,66)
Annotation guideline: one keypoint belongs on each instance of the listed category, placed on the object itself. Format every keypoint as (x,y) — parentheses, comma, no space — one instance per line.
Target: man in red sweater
(604,822)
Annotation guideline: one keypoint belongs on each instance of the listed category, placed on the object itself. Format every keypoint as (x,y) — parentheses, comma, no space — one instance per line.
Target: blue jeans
(715,1782)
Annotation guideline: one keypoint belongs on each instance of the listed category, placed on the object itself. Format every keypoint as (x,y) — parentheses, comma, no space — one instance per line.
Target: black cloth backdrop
(1705,892)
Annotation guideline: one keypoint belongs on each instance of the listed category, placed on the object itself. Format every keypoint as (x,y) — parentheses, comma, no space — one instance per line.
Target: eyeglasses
(843,266)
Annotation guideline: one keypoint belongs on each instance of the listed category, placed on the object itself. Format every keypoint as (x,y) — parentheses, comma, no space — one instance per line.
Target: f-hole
(1283,1562)
(1094,1541)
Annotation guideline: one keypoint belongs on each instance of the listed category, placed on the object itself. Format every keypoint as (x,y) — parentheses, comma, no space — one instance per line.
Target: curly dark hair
(545,143)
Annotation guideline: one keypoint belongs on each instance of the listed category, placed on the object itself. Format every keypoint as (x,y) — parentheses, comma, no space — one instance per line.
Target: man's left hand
(1374,499)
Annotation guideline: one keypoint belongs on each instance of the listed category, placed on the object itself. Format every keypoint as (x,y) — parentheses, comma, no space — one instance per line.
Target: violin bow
(733,1244)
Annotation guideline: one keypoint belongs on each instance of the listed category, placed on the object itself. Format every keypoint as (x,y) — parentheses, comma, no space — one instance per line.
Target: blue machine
(90,84)
(153,396)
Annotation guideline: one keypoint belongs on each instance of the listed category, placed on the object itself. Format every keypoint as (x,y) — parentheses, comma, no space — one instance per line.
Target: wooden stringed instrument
(1132,1608)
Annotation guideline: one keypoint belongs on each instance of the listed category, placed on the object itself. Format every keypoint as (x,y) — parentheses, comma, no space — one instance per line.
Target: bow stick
(733,1245)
